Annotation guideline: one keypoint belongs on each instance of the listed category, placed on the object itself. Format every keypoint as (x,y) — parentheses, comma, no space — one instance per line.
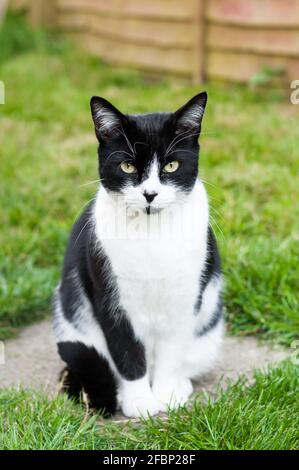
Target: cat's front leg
(128,354)
(171,386)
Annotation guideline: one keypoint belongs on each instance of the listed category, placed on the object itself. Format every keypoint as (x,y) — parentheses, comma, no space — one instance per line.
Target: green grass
(16,37)
(264,416)
(48,151)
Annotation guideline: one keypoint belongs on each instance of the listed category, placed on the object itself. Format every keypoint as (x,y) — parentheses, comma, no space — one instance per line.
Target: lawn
(249,161)
(264,416)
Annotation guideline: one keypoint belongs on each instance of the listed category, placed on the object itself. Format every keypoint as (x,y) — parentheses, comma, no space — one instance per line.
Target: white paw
(173,393)
(134,407)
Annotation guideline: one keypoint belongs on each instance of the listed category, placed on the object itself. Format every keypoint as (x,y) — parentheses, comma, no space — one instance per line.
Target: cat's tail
(87,378)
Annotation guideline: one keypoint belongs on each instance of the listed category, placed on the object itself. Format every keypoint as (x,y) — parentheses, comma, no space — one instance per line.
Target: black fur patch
(212,267)
(213,321)
(89,372)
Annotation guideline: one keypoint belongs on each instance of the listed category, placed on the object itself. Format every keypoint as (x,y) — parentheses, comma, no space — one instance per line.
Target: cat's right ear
(107,119)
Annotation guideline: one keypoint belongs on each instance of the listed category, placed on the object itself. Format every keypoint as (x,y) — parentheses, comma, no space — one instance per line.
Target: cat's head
(150,160)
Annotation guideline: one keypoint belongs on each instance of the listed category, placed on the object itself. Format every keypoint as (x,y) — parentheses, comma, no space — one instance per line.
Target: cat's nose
(149,196)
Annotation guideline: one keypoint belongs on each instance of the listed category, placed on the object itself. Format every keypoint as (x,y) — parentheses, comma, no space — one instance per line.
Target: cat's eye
(128,167)
(171,167)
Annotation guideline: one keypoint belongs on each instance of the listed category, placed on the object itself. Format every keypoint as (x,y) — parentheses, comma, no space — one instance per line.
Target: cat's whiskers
(207,182)
(91,182)
(217,213)
(181,150)
(180,140)
(82,229)
(213,221)
(173,140)
(128,142)
(83,206)
(209,133)
(118,151)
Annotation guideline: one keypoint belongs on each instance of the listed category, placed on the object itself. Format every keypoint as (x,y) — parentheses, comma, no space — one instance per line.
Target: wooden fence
(214,39)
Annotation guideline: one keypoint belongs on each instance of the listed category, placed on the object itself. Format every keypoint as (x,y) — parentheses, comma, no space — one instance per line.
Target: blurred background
(232,40)
(148,56)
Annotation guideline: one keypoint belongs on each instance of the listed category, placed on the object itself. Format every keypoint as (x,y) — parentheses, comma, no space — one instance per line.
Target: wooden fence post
(42,13)
(199,47)
(3,6)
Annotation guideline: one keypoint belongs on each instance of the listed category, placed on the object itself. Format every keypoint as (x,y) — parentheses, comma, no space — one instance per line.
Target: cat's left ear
(189,116)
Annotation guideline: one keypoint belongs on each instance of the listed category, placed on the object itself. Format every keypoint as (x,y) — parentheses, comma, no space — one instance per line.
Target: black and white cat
(138,312)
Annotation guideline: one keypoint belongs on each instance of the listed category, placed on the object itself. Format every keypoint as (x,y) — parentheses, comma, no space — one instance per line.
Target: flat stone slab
(31,361)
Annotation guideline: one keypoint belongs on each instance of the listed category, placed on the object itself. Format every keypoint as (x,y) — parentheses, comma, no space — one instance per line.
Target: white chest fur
(157,260)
